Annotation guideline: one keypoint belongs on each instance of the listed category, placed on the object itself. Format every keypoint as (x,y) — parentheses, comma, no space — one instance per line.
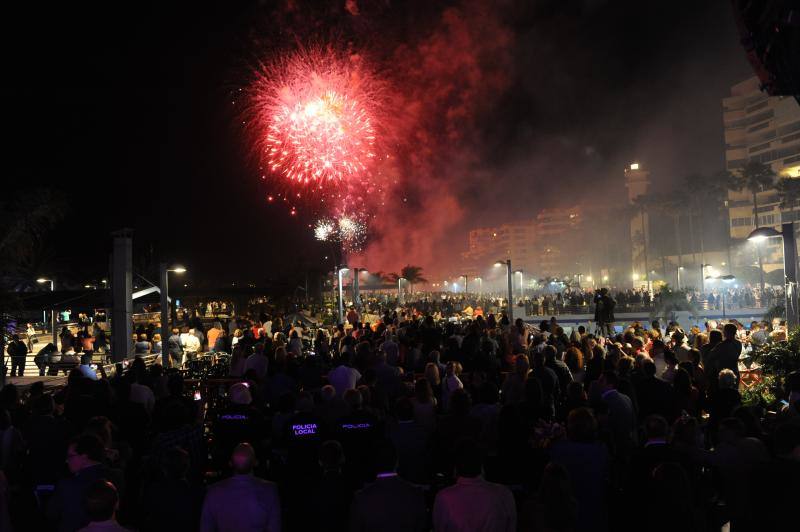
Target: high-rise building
(554,257)
(765,129)
(513,241)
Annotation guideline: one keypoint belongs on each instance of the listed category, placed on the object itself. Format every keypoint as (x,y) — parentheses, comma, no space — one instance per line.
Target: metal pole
(790,271)
(166,330)
(399,293)
(702,281)
(53,316)
(510,293)
(356,298)
(679,277)
(341,297)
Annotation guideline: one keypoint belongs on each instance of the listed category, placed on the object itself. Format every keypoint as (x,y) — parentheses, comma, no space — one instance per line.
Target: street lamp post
(400,290)
(789,265)
(356,291)
(521,286)
(702,277)
(466,283)
(507,263)
(341,269)
(42,280)
(480,285)
(166,330)
(680,268)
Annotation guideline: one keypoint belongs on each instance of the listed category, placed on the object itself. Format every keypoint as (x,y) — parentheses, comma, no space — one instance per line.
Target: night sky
(127,111)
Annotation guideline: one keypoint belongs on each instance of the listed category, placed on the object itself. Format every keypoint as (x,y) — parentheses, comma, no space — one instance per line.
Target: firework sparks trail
(324,230)
(314,121)
(348,229)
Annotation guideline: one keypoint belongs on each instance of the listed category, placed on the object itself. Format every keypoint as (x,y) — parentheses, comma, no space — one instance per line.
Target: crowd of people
(408,423)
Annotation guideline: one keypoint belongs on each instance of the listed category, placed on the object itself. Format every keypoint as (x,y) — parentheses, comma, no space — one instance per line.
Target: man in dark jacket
(175,349)
(390,503)
(654,396)
(18,351)
(84,458)
(726,354)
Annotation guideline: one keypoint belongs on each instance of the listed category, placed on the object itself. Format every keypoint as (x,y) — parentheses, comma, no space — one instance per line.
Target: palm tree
(641,204)
(412,275)
(715,196)
(789,192)
(755,176)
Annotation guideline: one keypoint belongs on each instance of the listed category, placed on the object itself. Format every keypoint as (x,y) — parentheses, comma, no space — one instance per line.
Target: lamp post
(521,286)
(466,283)
(399,290)
(680,268)
(480,285)
(339,271)
(507,263)
(42,280)
(165,308)
(356,292)
(702,277)
(789,265)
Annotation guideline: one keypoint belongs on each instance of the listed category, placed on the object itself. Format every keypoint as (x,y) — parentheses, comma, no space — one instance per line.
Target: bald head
(243,459)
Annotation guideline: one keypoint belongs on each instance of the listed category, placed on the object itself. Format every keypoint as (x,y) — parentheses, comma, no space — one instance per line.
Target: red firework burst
(315,114)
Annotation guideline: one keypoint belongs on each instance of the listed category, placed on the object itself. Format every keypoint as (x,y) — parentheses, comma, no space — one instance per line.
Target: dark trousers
(17,364)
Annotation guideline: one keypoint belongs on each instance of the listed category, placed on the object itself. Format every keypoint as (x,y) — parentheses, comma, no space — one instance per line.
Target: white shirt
(343,378)
(190,342)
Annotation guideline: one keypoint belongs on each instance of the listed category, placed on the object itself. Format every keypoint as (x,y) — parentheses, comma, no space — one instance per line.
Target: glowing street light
(789,265)
(399,290)
(702,277)
(165,308)
(680,269)
(339,272)
(507,263)
(42,280)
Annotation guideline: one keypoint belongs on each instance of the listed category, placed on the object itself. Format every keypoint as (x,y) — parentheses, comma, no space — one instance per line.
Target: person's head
(521,365)
(670,358)
(331,456)
(648,367)
(142,337)
(460,402)
(729,331)
(243,459)
(714,336)
(550,352)
(353,399)
(656,427)
(609,380)
(305,402)
(100,426)
(84,451)
(327,393)
(101,501)
(240,394)
(678,337)
(581,425)
(731,429)
(43,405)
(727,379)
(574,359)
(468,458)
